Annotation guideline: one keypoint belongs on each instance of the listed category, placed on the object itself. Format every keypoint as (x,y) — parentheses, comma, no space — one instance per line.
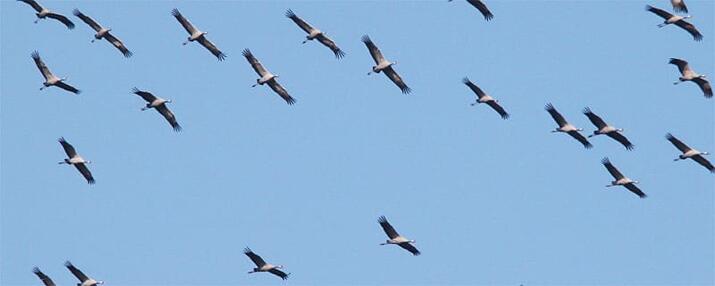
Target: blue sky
(489,201)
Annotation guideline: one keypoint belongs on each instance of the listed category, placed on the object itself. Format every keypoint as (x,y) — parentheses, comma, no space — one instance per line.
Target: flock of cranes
(382,65)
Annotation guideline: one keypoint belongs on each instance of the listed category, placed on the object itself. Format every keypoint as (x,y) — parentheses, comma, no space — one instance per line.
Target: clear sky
(489,201)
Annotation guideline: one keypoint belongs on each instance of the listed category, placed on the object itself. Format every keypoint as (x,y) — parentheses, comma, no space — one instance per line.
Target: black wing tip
(221,56)
(62,140)
(406,90)
(650,8)
(247,53)
(630,147)
(35,269)
(669,136)
(247,250)
(127,54)
(605,161)
(489,17)
(35,55)
(382,219)
(177,128)
(91,181)
(417,253)
(505,116)
(677,61)
(70,26)
(290,14)
(587,110)
(466,80)
(290,100)
(76,12)
(175,12)
(339,54)
(588,145)
(366,39)
(135,90)
(698,38)
(549,107)
(68,264)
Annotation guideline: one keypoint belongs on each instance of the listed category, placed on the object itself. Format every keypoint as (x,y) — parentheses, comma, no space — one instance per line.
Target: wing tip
(587,110)
(605,161)
(35,55)
(175,12)
(221,56)
(382,219)
(247,52)
(339,54)
(406,90)
(505,116)
(247,250)
(76,12)
(90,181)
(68,264)
(669,136)
(549,107)
(289,13)
(177,127)
(365,39)
(36,269)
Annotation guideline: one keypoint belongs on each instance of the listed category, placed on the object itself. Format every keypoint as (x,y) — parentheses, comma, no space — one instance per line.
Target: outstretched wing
(394,77)
(679,6)
(302,24)
(330,44)
(279,273)
(255,64)
(612,169)
(633,188)
(578,136)
(275,86)
(387,227)
(482,9)
(495,105)
(45,279)
(555,115)
(702,161)
(212,48)
(678,144)
(660,12)
(34,5)
(164,111)
(147,96)
(62,19)
(704,85)
(87,20)
(46,73)
(118,44)
(76,272)
(67,87)
(621,138)
(374,51)
(254,257)
(185,23)
(473,87)
(69,149)
(411,248)
(690,28)
(595,119)
(681,64)
(82,168)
